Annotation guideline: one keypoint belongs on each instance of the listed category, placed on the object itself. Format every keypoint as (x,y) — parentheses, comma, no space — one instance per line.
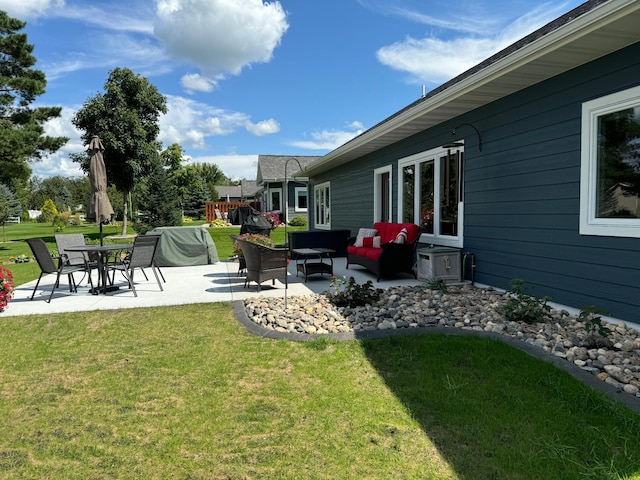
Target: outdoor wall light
(453,133)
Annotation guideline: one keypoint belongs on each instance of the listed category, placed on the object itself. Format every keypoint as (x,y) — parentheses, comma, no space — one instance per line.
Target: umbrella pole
(101,241)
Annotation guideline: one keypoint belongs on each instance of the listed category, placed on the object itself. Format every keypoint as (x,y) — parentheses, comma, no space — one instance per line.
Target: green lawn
(13,243)
(185,392)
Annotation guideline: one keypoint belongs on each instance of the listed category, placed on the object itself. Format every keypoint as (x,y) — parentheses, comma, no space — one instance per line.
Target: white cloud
(25,9)
(330,139)
(233,166)
(60,163)
(435,59)
(221,36)
(193,82)
(266,127)
(189,122)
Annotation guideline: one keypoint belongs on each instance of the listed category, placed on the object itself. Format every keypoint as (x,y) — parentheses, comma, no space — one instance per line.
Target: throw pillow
(376,242)
(369,242)
(402,236)
(364,232)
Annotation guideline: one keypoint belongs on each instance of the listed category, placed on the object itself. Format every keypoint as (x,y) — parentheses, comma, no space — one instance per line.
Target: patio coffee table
(310,261)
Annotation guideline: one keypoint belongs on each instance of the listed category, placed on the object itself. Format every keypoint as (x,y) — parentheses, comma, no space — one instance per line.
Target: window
(275,199)
(301,199)
(382,194)
(322,197)
(610,165)
(430,190)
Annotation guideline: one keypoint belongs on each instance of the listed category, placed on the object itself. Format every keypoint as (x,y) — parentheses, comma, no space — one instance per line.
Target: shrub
(523,307)
(218,224)
(48,212)
(348,293)
(61,221)
(590,315)
(298,221)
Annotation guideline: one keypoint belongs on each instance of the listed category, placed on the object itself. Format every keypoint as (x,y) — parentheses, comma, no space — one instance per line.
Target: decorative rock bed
(615,359)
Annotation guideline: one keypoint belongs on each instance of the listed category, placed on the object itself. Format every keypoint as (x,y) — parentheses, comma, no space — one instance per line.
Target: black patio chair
(47,265)
(142,256)
(75,259)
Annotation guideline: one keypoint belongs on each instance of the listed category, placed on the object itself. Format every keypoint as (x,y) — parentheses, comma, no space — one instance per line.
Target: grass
(15,234)
(185,392)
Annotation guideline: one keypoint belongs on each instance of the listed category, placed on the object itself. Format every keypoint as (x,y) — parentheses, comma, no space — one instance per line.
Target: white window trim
(298,191)
(376,192)
(321,186)
(591,110)
(431,238)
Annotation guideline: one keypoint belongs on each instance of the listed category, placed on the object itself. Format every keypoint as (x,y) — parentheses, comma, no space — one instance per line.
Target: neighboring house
(247,191)
(543,130)
(278,174)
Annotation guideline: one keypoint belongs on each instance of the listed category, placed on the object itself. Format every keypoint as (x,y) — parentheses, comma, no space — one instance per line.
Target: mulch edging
(630,401)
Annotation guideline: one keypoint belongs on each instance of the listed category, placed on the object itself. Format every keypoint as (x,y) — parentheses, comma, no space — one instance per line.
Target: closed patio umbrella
(99,209)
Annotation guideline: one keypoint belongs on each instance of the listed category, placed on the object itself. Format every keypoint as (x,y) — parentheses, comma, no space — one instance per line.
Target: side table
(311,260)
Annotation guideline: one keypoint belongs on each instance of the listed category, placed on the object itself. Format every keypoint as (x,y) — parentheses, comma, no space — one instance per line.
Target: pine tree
(22,137)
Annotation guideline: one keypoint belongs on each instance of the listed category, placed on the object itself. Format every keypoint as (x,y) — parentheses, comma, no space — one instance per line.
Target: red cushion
(367,242)
(389,231)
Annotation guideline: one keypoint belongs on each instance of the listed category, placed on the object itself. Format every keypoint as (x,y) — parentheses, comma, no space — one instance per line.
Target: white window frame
(320,213)
(590,224)
(432,238)
(298,193)
(377,173)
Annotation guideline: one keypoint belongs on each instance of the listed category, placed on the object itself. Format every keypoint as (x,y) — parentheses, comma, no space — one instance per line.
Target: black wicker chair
(264,263)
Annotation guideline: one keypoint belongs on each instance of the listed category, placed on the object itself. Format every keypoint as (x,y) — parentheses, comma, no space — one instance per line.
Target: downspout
(473,266)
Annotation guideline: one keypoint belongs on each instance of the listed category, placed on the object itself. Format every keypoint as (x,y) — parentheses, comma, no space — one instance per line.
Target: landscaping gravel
(614,359)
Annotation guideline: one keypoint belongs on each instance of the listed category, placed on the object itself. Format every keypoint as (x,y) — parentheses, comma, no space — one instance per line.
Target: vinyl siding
(522,191)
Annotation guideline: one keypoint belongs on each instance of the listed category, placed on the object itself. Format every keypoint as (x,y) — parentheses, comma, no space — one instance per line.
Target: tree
(21,127)
(159,201)
(54,188)
(9,206)
(48,211)
(125,117)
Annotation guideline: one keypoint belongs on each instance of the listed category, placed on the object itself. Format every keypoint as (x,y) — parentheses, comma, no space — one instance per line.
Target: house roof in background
(271,168)
(246,189)
(590,31)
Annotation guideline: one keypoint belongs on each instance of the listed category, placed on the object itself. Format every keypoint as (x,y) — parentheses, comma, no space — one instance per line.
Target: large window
(322,204)
(430,194)
(610,169)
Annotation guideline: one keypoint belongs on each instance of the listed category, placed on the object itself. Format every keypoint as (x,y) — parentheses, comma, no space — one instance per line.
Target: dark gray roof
(234,191)
(249,188)
(271,168)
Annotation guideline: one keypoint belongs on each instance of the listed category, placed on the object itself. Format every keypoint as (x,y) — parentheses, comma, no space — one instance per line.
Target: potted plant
(7,287)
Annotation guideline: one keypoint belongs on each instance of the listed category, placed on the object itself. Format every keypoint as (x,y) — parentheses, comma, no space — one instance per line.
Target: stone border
(630,401)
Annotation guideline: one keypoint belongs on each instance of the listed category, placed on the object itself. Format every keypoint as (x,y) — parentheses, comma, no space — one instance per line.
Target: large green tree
(22,137)
(125,117)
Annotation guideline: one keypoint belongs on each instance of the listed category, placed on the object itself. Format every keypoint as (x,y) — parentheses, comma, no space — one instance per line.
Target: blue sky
(247,77)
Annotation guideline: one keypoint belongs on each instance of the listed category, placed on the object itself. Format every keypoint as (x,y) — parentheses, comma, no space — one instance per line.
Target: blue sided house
(530,161)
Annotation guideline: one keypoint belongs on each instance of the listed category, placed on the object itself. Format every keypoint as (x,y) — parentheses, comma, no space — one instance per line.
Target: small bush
(348,293)
(437,284)
(298,221)
(590,315)
(218,224)
(521,307)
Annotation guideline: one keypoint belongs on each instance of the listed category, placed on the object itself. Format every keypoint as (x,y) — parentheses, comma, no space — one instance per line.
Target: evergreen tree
(159,202)
(21,127)
(9,206)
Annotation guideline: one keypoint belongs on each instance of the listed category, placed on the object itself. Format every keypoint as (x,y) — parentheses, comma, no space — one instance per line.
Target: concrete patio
(184,285)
